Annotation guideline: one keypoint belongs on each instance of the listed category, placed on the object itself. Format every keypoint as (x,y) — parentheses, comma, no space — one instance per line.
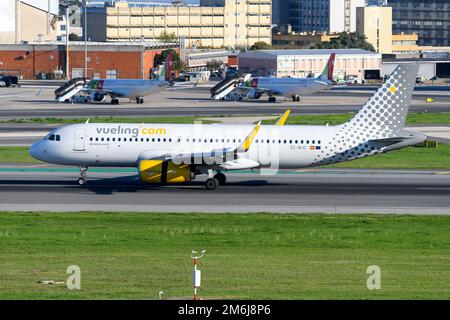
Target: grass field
(409,158)
(253,256)
(311,119)
(336,119)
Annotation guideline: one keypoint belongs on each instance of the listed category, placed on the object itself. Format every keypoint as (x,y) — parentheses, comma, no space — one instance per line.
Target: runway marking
(433,188)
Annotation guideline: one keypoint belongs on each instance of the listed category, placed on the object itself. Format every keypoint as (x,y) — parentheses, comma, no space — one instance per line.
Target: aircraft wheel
(211,184)
(221,178)
(272,99)
(141,100)
(82,181)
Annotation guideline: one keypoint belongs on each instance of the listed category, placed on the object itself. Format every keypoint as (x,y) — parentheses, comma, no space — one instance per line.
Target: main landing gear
(139,100)
(272,99)
(114,101)
(296,98)
(219,179)
(82,180)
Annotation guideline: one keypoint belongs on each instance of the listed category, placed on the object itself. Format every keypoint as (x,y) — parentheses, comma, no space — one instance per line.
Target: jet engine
(159,171)
(253,94)
(98,97)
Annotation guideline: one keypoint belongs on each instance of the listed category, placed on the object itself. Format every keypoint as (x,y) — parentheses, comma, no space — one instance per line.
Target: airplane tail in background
(166,69)
(327,73)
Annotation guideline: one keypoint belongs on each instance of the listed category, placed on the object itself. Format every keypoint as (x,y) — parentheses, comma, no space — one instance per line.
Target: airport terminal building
(304,63)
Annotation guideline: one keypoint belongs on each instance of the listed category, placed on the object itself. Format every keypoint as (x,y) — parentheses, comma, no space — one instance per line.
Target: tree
(161,58)
(214,65)
(179,66)
(166,37)
(74,37)
(260,45)
(346,40)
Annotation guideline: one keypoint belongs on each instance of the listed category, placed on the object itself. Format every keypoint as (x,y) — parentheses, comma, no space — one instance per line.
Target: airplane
(177,153)
(97,89)
(254,88)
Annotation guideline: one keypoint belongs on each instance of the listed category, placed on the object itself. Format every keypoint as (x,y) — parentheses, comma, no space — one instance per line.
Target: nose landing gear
(82,180)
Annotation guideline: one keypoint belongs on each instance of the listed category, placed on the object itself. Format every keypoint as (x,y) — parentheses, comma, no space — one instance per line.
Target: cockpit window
(53,137)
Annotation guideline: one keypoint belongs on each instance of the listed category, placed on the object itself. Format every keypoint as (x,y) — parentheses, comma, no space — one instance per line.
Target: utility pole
(85,39)
(67,44)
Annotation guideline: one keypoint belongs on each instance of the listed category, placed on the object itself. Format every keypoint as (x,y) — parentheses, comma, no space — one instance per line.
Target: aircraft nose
(36,150)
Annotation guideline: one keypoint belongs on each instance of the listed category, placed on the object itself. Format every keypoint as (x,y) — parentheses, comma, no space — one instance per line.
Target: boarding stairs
(69,89)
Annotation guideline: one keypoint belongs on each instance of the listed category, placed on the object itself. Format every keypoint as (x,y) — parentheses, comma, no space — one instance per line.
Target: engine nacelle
(253,94)
(98,97)
(159,171)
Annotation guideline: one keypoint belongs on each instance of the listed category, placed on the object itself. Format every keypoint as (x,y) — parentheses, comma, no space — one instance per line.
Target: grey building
(430,19)
(323,15)
(280,12)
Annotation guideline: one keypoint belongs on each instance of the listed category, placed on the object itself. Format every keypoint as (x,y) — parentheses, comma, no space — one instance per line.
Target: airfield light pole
(197,273)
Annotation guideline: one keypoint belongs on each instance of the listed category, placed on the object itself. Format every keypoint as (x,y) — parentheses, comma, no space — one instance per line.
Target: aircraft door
(79,144)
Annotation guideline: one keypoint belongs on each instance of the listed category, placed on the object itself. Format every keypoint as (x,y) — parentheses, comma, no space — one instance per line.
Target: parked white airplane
(137,89)
(174,153)
(293,88)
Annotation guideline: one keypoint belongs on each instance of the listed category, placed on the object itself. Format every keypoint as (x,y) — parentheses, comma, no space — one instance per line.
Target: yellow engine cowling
(159,171)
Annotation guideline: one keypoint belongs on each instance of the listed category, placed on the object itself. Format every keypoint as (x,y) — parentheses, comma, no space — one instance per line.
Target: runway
(308,191)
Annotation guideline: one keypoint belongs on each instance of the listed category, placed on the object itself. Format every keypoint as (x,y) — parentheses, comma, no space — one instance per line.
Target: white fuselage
(125,144)
(289,86)
(127,88)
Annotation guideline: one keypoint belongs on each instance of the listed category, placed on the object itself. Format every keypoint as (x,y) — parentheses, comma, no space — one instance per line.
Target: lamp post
(85,3)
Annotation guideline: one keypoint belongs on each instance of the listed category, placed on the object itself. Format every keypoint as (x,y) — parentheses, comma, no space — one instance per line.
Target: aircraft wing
(226,158)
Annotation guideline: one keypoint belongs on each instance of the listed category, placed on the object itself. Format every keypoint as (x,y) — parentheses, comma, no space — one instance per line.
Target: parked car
(8,81)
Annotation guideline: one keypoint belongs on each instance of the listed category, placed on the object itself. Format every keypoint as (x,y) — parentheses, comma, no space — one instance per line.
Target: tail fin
(385,112)
(327,73)
(379,122)
(165,70)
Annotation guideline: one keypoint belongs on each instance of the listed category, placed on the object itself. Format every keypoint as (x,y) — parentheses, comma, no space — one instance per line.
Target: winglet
(283,119)
(249,140)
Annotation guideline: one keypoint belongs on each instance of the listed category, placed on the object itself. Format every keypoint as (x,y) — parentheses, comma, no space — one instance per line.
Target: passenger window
(268,141)
(148,139)
(118,139)
(142,139)
(153,139)
(159,139)
(114,139)
(284,141)
(318,142)
(103,139)
(307,141)
(136,139)
(296,141)
(96,139)
(107,139)
(290,141)
(91,139)
(314,142)
(164,140)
